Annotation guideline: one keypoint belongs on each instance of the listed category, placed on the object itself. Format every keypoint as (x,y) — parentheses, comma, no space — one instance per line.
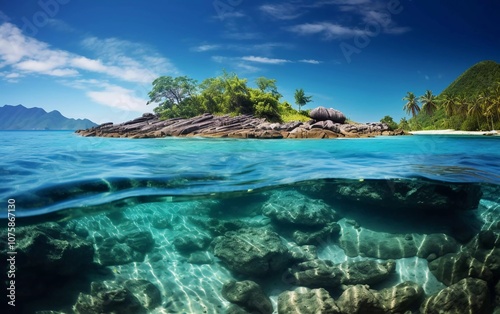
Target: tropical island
(225,106)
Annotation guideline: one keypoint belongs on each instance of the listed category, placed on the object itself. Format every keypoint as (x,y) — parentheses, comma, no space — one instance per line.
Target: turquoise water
(100,188)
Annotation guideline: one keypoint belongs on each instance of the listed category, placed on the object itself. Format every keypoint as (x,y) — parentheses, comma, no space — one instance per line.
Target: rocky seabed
(194,258)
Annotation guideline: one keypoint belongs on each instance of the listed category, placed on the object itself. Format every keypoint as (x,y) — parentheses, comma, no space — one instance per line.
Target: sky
(97,59)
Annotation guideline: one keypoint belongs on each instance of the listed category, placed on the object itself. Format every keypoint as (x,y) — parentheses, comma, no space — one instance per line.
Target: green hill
(475,80)
(478,79)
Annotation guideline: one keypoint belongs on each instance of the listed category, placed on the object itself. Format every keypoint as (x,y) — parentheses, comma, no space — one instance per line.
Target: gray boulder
(252,251)
(384,245)
(469,295)
(323,114)
(189,243)
(248,295)
(451,268)
(324,274)
(398,299)
(108,300)
(147,293)
(307,301)
(294,208)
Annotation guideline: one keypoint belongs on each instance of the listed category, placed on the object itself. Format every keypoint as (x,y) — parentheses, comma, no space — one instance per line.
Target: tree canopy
(224,94)
(301,99)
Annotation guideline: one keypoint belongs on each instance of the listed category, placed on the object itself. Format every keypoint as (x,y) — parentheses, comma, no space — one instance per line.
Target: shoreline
(455,132)
(242,126)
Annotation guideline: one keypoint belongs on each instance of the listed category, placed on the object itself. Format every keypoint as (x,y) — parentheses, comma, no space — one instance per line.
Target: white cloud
(329,30)
(120,59)
(265,60)
(118,97)
(310,61)
(203,48)
(364,14)
(283,11)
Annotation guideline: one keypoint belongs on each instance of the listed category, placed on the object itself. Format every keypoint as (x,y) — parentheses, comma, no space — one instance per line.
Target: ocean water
(103,188)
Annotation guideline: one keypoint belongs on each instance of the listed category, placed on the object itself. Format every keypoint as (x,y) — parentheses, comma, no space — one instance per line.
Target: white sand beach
(454,132)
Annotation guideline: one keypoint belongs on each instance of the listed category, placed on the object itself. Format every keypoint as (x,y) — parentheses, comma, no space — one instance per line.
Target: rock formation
(243,126)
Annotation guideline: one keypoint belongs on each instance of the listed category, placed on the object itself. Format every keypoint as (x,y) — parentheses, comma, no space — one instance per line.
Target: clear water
(110,186)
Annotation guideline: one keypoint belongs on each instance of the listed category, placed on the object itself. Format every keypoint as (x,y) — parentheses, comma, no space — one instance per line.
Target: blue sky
(97,59)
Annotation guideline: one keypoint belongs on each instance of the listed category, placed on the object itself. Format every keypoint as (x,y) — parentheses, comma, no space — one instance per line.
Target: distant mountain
(22,118)
(475,80)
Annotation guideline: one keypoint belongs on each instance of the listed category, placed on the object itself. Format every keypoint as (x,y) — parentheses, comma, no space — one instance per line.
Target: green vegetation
(390,122)
(301,99)
(471,102)
(224,94)
(477,79)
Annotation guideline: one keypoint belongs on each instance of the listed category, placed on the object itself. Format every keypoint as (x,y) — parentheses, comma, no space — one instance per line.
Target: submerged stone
(451,268)
(324,274)
(108,300)
(307,301)
(146,292)
(409,195)
(294,208)
(368,243)
(252,251)
(248,295)
(397,299)
(469,295)
(316,237)
(189,243)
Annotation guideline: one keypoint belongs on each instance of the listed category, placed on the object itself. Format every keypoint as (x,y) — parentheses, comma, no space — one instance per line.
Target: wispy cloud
(361,13)
(203,48)
(22,56)
(264,60)
(310,61)
(283,11)
(329,30)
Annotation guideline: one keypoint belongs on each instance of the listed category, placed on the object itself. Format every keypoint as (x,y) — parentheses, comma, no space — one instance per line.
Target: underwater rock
(189,243)
(48,248)
(485,247)
(146,292)
(112,252)
(248,295)
(48,256)
(294,208)
(324,274)
(200,258)
(397,299)
(368,243)
(306,301)
(451,268)
(323,114)
(108,300)
(409,195)
(316,237)
(140,241)
(299,254)
(469,295)
(252,251)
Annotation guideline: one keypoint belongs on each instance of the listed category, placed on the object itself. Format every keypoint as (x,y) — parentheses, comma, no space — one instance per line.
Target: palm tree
(448,103)
(462,105)
(428,102)
(412,104)
(474,110)
(301,99)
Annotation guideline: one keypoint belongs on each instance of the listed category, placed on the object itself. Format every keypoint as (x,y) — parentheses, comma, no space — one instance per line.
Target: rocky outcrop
(398,299)
(452,268)
(248,295)
(324,274)
(307,301)
(469,295)
(243,126)
(324,114)
(253,251)
(409,195)
(368,243)
(131,247)
(134,297)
